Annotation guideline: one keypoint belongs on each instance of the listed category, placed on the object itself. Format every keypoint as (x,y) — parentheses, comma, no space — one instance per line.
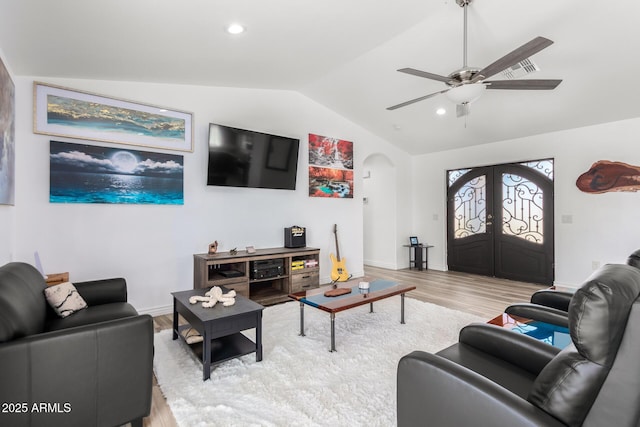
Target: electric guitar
(338,269)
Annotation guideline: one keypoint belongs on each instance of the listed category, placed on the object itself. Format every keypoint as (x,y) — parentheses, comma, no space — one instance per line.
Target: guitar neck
(335,232)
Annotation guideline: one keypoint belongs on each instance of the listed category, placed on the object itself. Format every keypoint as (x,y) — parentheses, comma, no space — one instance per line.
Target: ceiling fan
(468,83)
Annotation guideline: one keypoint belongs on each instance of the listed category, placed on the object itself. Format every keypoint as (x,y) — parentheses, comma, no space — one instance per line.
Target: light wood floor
(483,296)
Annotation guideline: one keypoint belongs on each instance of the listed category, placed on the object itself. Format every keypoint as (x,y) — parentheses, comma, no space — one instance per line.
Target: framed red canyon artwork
(330,167)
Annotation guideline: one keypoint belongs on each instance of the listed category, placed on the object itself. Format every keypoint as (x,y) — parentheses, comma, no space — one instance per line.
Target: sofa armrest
(518,349)
(99,374)
(550,298)
(435,391)
(539,312)
(106,291)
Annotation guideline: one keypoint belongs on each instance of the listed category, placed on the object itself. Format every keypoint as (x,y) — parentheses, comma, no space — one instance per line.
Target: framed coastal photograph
(81,173)
(7,137)
(70,113)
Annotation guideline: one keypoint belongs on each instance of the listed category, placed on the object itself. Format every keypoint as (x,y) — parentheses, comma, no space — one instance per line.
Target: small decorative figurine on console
(213,248)
(233,251)
(213,296)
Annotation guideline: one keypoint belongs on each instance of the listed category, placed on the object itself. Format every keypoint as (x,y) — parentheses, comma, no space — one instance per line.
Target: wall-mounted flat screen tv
(245,158)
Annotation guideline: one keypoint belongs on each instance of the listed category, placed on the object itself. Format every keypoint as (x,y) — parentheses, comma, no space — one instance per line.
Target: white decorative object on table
(213,296)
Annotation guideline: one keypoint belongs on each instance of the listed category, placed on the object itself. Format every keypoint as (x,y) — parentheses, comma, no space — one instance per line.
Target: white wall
(603,228)
(7,228)
(7,212)
(152,246)
(379,187)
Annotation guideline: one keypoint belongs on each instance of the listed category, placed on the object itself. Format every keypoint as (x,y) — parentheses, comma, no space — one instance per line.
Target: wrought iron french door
(500,221)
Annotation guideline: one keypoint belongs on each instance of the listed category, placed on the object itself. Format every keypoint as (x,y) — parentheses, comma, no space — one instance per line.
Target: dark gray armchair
(546,305)
(551,306)
(92,368)
(496,377)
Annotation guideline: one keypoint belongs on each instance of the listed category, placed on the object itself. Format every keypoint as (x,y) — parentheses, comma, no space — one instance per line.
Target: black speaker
(295,237)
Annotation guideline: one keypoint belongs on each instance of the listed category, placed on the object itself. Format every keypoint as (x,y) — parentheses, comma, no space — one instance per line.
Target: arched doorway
(379,211)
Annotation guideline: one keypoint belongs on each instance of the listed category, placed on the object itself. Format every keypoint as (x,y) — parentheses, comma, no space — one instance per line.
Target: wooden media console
(266,276)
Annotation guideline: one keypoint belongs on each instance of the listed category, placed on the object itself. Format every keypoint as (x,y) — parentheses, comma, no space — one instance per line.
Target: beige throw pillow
(64,299)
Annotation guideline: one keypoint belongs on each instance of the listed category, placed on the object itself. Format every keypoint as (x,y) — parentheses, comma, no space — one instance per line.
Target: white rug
(299,382)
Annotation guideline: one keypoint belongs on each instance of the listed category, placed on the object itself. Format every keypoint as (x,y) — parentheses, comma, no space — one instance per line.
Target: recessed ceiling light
(235,29)
(441,111)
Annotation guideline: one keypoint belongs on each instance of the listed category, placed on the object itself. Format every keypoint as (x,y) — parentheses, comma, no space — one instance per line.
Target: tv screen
(245,158)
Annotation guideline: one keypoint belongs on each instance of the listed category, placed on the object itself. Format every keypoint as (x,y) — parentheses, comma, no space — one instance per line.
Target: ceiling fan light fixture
(466,93)
(467,84)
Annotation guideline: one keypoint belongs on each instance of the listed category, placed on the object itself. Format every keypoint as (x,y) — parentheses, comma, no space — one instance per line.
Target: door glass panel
(545,167)
(470,208)
(522,208)
(455,174)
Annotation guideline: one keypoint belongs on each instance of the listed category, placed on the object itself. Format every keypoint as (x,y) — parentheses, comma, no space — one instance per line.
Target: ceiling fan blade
(512,58)
(424,74)
(413,101)
(462,110)
(531,84)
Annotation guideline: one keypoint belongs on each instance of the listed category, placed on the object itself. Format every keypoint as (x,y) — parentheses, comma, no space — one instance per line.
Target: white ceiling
(345,53)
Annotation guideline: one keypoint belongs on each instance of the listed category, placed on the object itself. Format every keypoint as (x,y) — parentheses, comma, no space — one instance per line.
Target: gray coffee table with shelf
(220,328)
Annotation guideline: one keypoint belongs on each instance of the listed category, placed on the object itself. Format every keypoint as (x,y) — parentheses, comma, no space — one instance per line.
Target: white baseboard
(438,267)
(380,264)
(157,311)
(566,285)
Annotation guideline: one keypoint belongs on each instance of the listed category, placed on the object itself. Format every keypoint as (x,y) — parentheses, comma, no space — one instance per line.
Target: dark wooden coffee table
(378,289)
(220,328)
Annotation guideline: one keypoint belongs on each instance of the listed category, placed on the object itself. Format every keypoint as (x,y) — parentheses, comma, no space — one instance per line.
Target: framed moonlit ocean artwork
(70,113)
(82,173)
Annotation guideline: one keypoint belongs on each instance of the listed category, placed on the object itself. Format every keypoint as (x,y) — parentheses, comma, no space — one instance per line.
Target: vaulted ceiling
(344,54)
